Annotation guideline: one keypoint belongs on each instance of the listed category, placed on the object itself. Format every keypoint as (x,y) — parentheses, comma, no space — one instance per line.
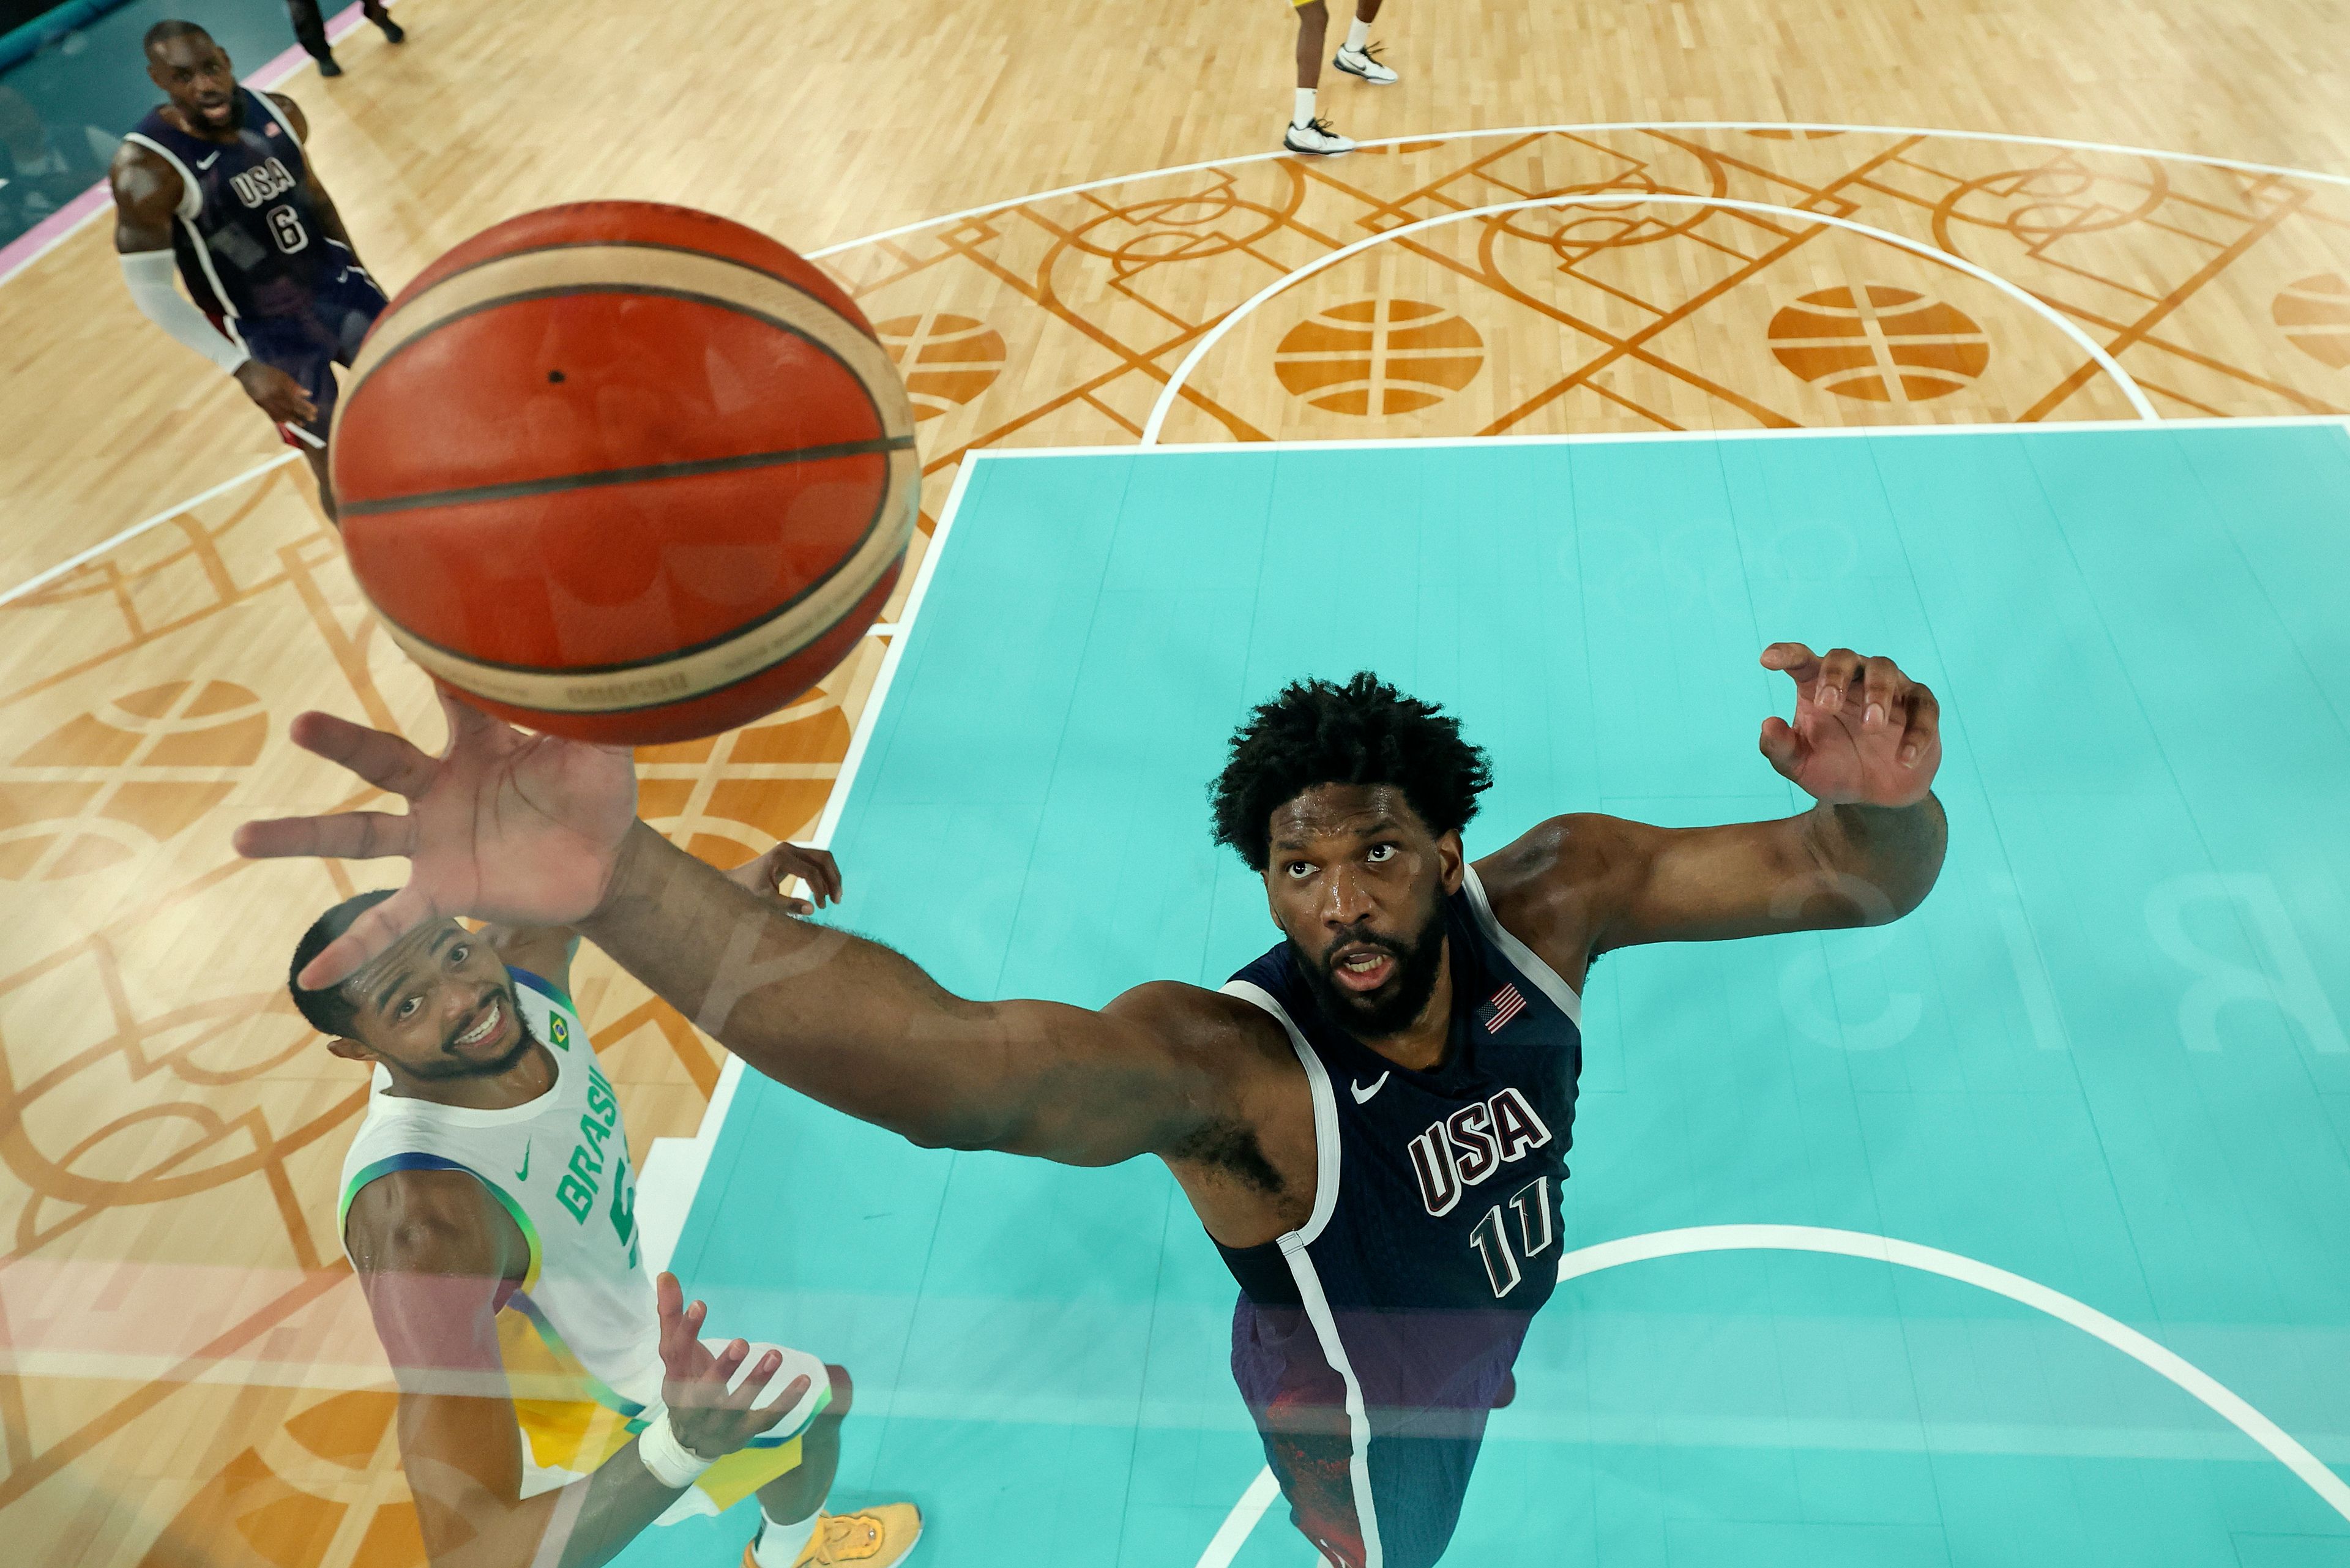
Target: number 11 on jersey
(1530,1203)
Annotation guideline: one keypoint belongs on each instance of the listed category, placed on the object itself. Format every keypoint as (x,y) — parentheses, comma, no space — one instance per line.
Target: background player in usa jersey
(216,186)
(1440,994)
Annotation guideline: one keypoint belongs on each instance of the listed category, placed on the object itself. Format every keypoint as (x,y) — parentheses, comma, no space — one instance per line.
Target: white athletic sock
(1357,35)
(1304,113)
(780,1544)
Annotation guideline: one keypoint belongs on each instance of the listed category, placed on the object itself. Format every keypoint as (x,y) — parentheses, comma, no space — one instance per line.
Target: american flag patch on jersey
(1506,1005)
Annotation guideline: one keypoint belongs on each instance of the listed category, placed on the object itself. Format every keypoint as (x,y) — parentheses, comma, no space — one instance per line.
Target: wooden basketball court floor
(189,1374)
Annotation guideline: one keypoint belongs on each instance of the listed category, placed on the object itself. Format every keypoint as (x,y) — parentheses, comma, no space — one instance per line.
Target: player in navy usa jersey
(1371,1120)
(215,186)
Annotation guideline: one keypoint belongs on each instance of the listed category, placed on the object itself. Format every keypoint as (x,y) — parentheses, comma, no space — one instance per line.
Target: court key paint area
(2107,1059)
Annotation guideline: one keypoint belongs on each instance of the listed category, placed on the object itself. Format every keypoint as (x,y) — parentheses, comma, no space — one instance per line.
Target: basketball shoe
(1364,63)
(876,1537)
(1315,139)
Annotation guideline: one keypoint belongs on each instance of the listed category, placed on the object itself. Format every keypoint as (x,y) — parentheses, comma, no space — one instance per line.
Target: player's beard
(1395,1006)
(450,1065)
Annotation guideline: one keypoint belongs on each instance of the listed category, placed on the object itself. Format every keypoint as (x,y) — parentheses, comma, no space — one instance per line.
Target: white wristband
(671,1463)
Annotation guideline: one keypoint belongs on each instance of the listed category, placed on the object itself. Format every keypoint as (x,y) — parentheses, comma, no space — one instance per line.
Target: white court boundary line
(42,579)
(1632,438)
(1233,317)
(689,1164)
(2204,160)
(1694,1239)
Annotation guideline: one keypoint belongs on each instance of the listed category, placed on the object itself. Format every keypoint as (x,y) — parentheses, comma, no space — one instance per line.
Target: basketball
(625,473)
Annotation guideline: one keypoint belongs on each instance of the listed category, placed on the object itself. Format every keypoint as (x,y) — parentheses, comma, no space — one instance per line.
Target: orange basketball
(626,472)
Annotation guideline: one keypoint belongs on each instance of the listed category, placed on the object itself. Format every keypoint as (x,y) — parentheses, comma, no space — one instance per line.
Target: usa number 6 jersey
(246,232)
(1372,1341)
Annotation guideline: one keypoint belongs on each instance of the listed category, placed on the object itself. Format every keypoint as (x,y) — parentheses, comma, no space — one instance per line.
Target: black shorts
(1417,1463)
(308,342)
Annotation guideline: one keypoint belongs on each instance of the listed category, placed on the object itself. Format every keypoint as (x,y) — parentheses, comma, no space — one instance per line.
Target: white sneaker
(1365,65)
(1317,139)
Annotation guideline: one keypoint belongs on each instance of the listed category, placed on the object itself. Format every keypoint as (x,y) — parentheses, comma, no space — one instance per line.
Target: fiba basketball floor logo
(109,784)
(323,1490)
(1881,345)
(947,361)
(1378,357)
(2315,315)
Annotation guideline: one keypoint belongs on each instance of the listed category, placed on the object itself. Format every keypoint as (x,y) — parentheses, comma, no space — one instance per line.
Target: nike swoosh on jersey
(1363,1095)
(207,163)
(523,1174)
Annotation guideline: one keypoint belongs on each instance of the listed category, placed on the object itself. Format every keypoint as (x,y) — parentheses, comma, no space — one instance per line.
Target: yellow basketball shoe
(877,1536)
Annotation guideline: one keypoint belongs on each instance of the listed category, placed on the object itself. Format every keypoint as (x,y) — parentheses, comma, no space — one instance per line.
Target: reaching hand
(767,874)
(280,396)
(517,829)
(702,1415)
(1865,734)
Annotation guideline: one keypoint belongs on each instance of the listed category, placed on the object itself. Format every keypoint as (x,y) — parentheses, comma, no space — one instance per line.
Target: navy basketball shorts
(320,331)
(1417,1465)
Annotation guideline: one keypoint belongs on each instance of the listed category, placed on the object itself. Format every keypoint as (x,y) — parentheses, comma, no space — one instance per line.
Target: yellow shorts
(560,1436)
(565,1436)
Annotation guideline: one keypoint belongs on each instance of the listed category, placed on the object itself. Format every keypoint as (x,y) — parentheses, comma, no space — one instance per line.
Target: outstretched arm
(533,830)
(862,1028)
(1864,743)
(547,952)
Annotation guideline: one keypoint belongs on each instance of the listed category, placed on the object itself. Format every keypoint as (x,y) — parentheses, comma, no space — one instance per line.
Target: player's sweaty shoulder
(432,1222)
(1245,1151)
(1554,886)
(1207,1028)
(145,184)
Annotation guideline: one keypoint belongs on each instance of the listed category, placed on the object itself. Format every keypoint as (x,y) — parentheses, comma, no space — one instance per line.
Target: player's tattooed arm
(436,1256)
(1864,743)
(329,218)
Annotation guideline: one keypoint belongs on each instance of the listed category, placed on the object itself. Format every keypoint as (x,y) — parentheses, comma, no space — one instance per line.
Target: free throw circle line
(1605,1255)
(2105,361)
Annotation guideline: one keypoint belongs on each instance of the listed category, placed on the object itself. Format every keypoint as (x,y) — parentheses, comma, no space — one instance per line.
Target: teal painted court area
(2108,1055)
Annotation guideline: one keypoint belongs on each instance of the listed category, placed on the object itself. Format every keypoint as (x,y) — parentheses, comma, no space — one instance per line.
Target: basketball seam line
(562,482)
(881,506)
(887,580)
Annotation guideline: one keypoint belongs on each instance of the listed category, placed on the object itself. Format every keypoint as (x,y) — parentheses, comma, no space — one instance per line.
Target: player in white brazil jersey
(555,1399)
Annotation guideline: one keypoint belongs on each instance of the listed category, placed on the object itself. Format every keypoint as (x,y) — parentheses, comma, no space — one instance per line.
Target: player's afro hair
(1366,731)
(329,1012)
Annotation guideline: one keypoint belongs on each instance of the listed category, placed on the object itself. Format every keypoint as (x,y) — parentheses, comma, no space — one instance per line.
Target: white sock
(1357,35)
(780,1544)
(1304,113)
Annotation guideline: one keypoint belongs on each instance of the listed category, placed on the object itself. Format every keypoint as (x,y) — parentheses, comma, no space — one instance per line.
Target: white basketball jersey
(560,1166)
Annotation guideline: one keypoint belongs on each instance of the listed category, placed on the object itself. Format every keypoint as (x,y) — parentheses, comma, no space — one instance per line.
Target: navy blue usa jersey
(1372,1343)
(247,233)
